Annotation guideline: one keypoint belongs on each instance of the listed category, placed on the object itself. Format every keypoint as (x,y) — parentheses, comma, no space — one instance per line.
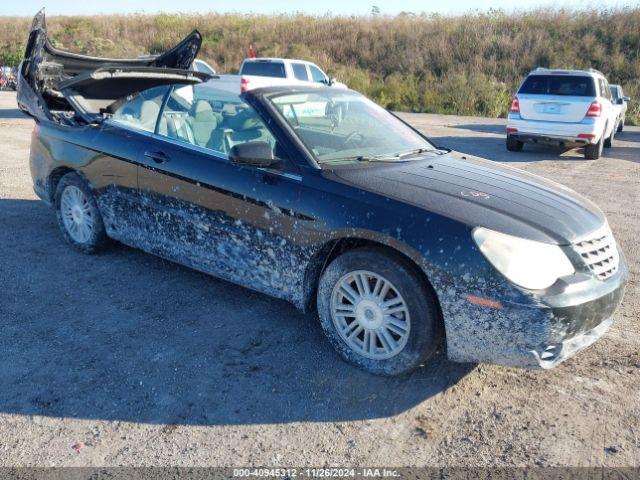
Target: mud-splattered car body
(275,228)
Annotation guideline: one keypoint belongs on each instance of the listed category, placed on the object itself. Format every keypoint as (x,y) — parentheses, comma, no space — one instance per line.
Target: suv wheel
(377,312)
(592,151)
(78,216)
(514,145)
(621,125)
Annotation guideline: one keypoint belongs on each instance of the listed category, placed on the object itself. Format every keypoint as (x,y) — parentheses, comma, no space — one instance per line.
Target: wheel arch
(54,178)
(336,247)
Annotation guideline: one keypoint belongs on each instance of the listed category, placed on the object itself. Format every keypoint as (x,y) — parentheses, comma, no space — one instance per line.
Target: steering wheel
(352,136)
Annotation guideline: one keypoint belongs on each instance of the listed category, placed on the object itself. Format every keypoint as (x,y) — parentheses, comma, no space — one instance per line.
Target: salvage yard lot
(125,359)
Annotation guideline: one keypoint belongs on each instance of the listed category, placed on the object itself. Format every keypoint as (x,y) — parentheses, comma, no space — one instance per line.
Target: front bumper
(536,334)
(575,327)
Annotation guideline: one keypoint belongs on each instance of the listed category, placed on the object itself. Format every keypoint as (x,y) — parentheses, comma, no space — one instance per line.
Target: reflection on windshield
(348,127)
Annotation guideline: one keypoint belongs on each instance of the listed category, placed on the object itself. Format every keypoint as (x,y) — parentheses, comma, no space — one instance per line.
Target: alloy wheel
(77,217)
(370,315)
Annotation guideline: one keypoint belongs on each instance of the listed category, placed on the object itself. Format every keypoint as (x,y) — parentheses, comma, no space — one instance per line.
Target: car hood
(484,193)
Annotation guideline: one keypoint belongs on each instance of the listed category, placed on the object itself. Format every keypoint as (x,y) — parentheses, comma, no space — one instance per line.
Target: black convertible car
(323,198)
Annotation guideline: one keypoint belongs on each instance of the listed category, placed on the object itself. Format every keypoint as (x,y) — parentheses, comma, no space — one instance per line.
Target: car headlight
(527,263)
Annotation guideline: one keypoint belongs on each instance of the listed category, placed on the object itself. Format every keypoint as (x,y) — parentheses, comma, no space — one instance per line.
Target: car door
(113,171)
(201,210)
(121,106)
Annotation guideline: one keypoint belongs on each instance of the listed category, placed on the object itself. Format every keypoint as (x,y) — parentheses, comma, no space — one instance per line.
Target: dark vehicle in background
(319,196)
(8,79)
(620,100)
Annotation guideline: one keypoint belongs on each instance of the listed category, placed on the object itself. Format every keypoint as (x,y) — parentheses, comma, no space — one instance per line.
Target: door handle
(157,156)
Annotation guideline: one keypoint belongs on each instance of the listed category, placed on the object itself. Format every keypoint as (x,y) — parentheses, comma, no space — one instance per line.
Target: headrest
(149,111)
(202,112)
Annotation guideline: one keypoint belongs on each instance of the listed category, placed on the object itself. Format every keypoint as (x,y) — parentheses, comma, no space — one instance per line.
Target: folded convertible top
(58,85)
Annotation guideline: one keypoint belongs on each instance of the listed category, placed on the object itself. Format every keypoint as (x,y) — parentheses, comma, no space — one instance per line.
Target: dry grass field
(464,65)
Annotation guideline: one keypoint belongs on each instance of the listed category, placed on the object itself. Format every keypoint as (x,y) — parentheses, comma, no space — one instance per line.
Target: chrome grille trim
(600,253)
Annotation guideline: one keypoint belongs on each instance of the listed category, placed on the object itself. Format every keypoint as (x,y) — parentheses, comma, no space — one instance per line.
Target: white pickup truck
(563,107)
(270,72)
(262,72)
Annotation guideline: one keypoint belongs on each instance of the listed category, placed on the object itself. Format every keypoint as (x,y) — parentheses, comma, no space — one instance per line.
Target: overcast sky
(336,7)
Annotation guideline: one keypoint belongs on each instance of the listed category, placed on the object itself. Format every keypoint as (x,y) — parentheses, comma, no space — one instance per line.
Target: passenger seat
(203,122)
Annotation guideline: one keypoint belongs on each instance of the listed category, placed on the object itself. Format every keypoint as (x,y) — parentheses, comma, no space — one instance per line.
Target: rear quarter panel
(80,149)
(58,147)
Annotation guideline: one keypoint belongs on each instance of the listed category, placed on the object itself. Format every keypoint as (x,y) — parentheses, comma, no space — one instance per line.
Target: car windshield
(570,85)
(347,127)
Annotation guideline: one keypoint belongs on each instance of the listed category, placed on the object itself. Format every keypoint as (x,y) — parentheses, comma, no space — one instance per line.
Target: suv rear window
(264,69)
(571,85)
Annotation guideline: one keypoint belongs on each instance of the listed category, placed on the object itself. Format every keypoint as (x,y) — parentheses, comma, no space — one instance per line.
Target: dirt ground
(126,359)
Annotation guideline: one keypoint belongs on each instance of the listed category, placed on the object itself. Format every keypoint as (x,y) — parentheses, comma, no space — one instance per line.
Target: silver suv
(563,107)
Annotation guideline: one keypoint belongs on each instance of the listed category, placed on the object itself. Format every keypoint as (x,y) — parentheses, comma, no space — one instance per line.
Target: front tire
(78,216)
(514,145)
(377,312)
(621,125)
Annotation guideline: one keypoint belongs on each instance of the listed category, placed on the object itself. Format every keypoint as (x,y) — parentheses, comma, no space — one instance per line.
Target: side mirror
(626,99)
(256,153)
(332,80)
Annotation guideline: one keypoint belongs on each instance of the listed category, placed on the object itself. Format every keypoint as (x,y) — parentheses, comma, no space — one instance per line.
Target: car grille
(600,253)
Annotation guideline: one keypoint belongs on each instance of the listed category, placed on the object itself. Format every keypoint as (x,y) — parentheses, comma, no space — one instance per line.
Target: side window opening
(605,92)
(300,71)
(317,75)
(211,118)
(141,112)
(615,92)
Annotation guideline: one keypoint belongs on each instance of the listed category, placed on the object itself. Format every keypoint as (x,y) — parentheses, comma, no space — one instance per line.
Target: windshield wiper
(363,158)
(388,158)
(417,151)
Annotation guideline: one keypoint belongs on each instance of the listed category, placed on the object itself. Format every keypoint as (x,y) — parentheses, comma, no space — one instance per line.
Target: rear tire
(377,312)
(78,216)
(514,145)
(593,151)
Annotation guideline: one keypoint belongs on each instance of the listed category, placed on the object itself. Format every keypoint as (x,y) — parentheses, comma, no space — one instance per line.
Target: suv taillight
(595,109)
(515,106)
(244,83)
